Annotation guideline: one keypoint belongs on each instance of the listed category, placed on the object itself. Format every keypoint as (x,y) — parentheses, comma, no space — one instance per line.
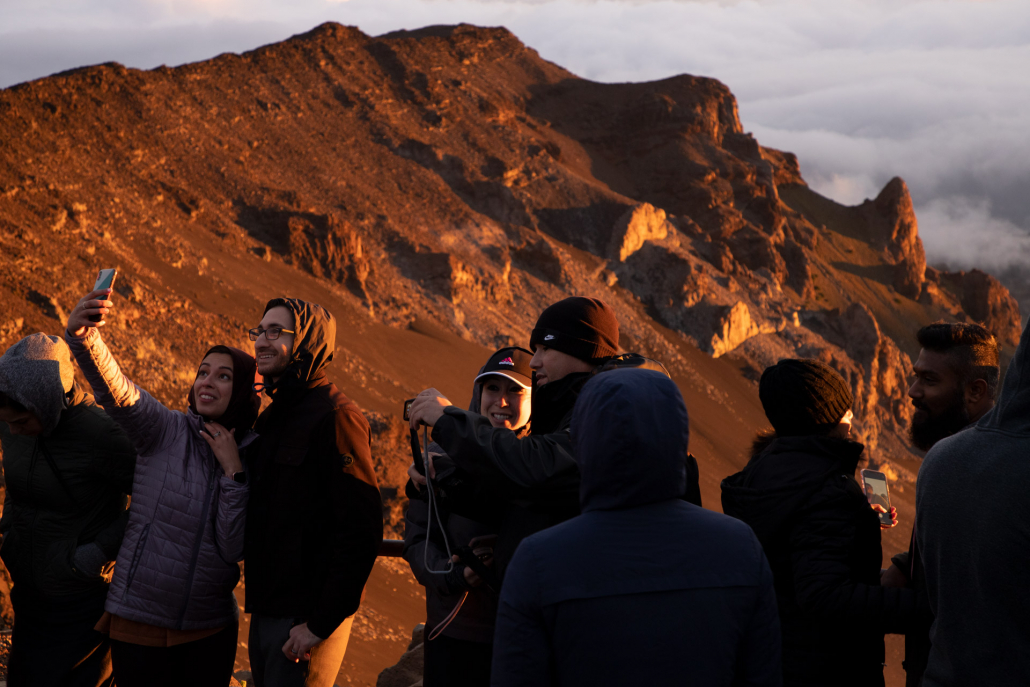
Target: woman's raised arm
(143,418)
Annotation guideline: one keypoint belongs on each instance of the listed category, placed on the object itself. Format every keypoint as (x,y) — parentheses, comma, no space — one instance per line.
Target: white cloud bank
(934,91)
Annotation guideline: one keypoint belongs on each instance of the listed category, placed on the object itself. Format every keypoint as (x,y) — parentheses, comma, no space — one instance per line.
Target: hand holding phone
(105,280)
(878,495)
(91,309)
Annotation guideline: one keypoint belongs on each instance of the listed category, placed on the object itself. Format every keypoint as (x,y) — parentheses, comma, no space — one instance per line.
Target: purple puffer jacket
(178,563)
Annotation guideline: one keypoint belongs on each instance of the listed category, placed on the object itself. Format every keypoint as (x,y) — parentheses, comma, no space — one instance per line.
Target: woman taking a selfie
(458,644)
(171,612)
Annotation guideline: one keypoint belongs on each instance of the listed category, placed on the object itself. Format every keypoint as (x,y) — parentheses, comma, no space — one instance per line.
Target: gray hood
(629,435)
(1012,412)
(37,372)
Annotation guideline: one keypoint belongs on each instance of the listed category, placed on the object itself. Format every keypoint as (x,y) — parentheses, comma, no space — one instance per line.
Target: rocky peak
(985,300)
(893,227)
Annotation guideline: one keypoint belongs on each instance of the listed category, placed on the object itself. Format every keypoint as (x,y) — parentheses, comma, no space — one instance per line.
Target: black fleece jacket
(533,479)
(64,489)
(822,540)
(315,518)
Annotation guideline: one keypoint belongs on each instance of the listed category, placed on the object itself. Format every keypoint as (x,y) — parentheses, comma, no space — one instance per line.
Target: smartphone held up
(105,280)
(876,491)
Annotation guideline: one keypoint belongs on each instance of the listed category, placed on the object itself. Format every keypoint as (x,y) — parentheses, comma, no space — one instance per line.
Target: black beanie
(803,397)
(585,328)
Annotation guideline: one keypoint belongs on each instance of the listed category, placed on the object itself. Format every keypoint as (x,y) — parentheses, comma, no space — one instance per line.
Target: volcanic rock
(641,223)
(407,672)
(986,301)
(892,225)
(734,327)
(878,372)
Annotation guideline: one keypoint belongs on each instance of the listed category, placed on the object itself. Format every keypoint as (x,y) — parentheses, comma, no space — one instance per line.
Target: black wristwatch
(239,477)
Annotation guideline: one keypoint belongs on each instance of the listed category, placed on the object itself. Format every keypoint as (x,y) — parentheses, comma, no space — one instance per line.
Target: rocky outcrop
(407,672)
(892,226)
(733,327)
(878,371)
(985,300)
(642,223)
(391,454)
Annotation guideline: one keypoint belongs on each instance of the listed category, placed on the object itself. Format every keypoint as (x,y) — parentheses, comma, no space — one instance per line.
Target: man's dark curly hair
(972,346)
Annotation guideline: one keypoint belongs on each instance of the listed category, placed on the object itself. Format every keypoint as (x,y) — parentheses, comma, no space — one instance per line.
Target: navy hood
(629,435)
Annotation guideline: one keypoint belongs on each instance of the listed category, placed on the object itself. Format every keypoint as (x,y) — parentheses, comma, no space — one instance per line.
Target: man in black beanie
(534,479)
(799,495)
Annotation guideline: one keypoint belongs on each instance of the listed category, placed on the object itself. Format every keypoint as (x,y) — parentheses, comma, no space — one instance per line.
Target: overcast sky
(934,91)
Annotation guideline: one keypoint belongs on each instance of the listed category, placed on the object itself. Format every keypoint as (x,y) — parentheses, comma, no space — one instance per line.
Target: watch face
(240,477)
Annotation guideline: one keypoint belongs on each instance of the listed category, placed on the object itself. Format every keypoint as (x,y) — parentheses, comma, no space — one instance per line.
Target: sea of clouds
(934,91)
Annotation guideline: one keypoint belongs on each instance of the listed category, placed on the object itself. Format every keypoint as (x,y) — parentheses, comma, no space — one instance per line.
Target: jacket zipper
(136,557)
(196,546)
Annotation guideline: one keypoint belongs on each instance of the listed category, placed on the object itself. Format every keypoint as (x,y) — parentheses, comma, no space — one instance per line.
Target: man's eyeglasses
(272,333)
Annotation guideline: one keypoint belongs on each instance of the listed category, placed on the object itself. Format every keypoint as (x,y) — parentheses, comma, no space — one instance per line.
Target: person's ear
(976,391)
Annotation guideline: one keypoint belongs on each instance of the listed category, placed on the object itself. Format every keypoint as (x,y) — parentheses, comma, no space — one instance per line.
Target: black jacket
(424,542)
(534,479)
(64,489)
(642,588)
(822,540)
(315,519)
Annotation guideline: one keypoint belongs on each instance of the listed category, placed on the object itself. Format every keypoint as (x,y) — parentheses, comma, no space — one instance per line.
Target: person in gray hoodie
(973,539)
(171,612)
(68,469)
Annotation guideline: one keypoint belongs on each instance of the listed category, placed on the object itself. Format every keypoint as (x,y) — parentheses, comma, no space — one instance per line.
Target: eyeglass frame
(260,331)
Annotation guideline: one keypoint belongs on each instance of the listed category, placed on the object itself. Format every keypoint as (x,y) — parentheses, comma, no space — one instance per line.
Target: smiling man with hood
(67,468)
(315,520)
(643,587)
(973,536)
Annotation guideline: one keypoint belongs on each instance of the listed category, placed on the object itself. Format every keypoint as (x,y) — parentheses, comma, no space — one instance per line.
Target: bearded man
(956,381)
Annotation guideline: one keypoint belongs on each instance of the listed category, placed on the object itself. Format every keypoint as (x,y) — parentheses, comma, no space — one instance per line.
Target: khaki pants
(271,668)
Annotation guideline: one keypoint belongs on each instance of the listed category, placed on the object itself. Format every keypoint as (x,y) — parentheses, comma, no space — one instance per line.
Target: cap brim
(522,380)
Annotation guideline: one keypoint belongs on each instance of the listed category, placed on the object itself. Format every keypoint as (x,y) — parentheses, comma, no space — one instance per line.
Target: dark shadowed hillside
(435,190)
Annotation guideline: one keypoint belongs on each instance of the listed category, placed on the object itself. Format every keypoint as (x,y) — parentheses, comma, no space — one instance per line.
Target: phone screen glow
(879,494)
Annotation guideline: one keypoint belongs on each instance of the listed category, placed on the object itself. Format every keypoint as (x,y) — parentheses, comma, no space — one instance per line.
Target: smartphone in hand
(875,484)
(105,280)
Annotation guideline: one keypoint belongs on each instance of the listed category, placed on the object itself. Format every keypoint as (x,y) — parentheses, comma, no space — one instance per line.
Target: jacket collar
(553,401)
(841,454)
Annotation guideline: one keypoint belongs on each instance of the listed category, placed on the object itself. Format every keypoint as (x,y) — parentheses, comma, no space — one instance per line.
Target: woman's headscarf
(244,402)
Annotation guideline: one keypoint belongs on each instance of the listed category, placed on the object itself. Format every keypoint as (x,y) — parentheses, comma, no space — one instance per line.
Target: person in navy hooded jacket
(643,586)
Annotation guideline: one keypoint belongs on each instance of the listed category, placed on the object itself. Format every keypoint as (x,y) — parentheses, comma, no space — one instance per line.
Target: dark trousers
(450,662)
(206,662)
(271,668)
(54,643)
